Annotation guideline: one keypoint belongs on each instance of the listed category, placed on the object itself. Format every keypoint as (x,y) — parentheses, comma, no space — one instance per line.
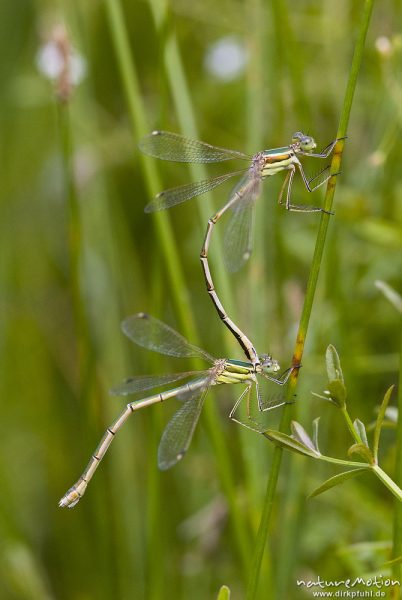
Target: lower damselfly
(239,232)
(150,333)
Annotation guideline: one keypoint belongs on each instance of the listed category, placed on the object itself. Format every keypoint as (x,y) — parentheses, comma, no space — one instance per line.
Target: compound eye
(266,360)
(308,143)
(297,137)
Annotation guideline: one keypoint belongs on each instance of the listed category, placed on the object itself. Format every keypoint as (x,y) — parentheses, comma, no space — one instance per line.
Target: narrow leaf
(361,431)
(392,295)
(224,593)
(334,369)
(336,480)
(326,397)
(363,451)
(285,441)
(316,423)
(379,422)
(301,435)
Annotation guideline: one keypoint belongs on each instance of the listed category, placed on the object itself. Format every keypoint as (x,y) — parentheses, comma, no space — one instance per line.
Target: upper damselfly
(150,333)
(239,231)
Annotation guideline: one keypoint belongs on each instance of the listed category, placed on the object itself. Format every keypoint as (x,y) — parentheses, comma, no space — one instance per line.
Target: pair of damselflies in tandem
(150,333)
(238,239)
(154,335)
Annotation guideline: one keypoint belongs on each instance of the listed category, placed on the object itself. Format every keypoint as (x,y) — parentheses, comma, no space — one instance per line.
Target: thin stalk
(397,535)
(85,347)
(293,63)
(87,377)
(350,426)
(344,463)
(156,532)
(387,481)
(139,126)
(308,302)
(74,231)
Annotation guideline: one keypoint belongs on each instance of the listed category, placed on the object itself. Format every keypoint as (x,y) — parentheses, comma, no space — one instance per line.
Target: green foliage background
(77,257)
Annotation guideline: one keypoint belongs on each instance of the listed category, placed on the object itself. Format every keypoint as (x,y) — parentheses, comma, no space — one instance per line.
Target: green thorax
(276,160)
(275,151)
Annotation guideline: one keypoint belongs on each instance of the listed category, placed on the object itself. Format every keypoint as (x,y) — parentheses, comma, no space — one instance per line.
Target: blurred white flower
(383,45)
(377,158)
(226,58)
(58,61)
(50,63)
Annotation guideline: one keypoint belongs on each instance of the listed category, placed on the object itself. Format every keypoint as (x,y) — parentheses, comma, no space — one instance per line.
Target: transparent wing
(179,431)
(182,193)
(238,238)
(150,333)
(320,178)
(272,401)
(175,147)
(132,385)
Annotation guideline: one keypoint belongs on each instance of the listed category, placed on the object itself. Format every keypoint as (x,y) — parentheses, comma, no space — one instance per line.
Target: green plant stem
(139,126)
(74,227)
(345,463)
(350,425)
(387,481)
(85,347)
(397,534)
(308,302)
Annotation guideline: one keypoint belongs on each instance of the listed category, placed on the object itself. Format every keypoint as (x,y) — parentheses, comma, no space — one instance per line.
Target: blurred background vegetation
(78,255)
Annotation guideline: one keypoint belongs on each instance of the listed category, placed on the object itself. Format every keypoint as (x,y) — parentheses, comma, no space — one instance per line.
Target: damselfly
(239,231)
(152,334)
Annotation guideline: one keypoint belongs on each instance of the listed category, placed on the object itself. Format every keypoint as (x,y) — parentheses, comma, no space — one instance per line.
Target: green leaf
(224,593)
(334,369)
(301,435)
(392,295)
(316,423)
(361,431)
(379,422)
(286,441)
(337,392)
(336,480)
(363,451)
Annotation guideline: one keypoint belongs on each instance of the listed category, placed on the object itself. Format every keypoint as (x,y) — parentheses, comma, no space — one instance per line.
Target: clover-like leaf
(380,421)
(224,593)
(286,441)
(334,369)
(361,431)
(363,451)
(336,480)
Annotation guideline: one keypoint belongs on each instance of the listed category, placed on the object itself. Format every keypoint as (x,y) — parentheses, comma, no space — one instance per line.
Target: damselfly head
(269,364)
(303,142)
